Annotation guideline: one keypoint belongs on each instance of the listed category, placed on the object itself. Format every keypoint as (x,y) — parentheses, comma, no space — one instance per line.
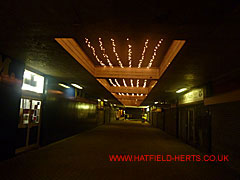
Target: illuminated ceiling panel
(124,68)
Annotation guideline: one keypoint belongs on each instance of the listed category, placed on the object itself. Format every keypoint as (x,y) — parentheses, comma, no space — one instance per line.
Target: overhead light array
(94,52)
(154,53)
(145,83)
(124,83)
(129,53)
(143,53)
(117,83)
(127,94)
(110,80)
(104,52)
(116,54)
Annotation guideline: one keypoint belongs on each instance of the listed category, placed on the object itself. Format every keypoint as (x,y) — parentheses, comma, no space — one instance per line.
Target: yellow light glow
(181,90)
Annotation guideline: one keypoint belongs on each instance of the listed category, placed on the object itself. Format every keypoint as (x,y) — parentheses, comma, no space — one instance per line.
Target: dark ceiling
(211,29)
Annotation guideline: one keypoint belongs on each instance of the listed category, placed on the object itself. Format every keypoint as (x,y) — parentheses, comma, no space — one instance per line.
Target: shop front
(28,131)
(194,120)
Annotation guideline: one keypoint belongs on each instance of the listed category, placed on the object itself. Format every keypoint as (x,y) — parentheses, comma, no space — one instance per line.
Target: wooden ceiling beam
(136,90)
(72,47)
(131,73)
(139,98)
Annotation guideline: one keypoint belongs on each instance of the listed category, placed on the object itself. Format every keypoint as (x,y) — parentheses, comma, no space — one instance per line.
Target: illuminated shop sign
(192,96)
(32,82)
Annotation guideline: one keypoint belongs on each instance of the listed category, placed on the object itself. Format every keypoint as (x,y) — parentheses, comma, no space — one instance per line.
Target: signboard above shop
(192,96)
(32,82)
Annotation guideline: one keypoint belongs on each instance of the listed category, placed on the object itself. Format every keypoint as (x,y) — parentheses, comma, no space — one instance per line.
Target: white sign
(192,96)
(32,82)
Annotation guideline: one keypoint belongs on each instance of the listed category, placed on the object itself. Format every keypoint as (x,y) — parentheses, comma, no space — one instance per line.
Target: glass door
(28,131)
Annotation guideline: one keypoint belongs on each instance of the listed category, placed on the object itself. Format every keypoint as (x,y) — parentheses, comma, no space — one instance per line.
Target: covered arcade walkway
(86,156)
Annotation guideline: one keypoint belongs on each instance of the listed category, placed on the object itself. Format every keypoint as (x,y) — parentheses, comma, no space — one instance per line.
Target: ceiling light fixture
(105,100)
(63,85)
(116,54)
(145,83)
(131,82)
(117,83)
(143,53)
(110,80)
(76,86)
(124,82)
(181,90)
(129,53)
(104,52)
(94,52)
(154,53)
(156,102)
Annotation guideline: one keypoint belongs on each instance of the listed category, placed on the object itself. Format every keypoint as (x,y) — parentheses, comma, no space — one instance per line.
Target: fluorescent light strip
(138,83)
(104,52)
(181,90)
(110,80)
(117,83)
(154,53)
(129,53)
(76,86)
(94,52)
(143,53)
(116,54)
(63,85)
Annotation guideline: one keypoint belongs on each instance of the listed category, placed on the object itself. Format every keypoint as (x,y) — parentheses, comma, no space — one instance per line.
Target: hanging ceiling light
(116,54)
(129,54)
(104,52)
(154,53)
(94,52)
(143,53)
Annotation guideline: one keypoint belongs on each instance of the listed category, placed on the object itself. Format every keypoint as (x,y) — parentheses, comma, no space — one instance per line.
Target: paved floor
(85,156)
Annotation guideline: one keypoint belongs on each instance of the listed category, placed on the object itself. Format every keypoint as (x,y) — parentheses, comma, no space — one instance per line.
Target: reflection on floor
(86,156)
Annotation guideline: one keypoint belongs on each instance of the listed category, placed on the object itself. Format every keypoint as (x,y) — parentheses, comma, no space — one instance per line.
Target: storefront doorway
(29,124)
